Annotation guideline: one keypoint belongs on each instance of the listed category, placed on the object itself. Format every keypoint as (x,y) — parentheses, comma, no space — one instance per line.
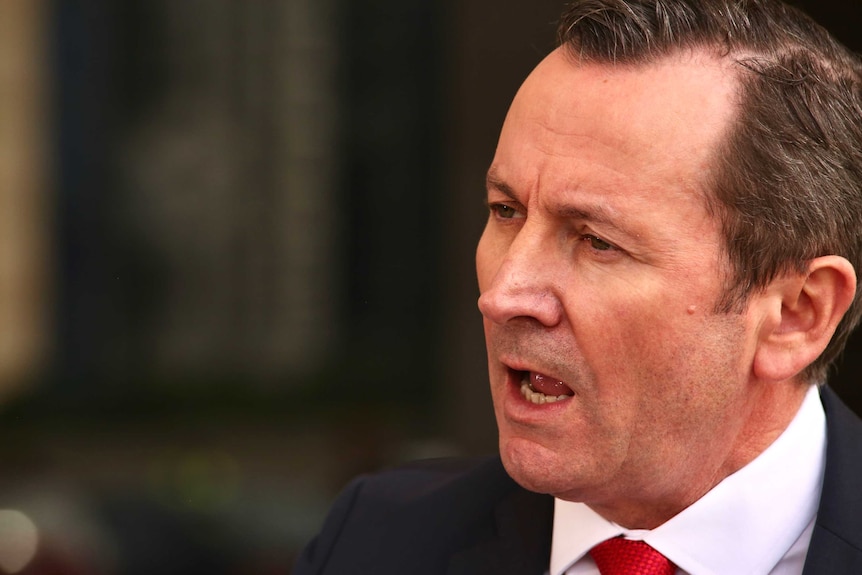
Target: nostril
(501,304)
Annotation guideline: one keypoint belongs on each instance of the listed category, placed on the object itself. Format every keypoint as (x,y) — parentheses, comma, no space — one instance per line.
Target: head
(788,180)
(670,247)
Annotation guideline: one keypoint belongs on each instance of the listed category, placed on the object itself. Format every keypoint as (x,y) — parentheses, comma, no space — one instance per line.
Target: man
(666,274)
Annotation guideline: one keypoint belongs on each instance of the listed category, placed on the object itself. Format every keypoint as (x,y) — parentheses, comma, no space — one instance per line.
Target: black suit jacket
(459,518)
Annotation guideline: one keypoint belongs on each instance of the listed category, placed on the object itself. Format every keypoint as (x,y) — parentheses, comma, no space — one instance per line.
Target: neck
(766,421)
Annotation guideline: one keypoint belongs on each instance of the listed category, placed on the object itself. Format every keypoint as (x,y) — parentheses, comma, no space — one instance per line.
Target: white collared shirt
(757,521)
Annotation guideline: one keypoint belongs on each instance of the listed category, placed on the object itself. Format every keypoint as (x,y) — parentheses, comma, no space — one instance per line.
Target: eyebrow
(495,182)
(594,213)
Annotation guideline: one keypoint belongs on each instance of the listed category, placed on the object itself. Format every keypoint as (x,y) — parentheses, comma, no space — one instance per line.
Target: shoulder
(843,436)
(423,491)
(428,508)
(838,415)
(422,482)
(836,543)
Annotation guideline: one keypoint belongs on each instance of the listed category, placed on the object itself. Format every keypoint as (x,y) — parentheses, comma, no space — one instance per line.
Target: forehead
(656,123)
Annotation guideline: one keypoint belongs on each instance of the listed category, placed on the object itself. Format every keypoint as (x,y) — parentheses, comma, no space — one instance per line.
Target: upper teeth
(537,397)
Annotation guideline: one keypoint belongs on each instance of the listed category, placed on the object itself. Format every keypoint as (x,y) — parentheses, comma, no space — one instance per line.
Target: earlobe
(802,313)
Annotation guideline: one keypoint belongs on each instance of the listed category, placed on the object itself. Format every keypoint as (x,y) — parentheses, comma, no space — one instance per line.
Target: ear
(801,312)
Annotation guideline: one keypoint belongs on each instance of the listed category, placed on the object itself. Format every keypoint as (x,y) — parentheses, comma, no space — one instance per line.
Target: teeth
(539,398)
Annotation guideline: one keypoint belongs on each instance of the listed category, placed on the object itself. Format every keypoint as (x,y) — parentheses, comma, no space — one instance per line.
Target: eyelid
(592,238)
(610,253)
(496,207)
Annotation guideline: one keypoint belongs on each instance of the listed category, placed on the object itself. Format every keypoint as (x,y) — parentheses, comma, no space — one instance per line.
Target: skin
(600,267)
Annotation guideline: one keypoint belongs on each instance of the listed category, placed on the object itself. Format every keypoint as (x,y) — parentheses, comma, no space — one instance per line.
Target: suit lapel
(519,543)
(836,544)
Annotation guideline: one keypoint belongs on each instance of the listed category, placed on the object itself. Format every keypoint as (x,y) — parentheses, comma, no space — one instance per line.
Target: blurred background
(236,264)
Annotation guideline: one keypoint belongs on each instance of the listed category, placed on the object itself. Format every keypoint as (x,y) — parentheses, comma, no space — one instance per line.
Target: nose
(523,282)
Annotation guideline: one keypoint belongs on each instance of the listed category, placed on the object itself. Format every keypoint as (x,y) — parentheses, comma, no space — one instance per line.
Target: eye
(504,211)
(598,244)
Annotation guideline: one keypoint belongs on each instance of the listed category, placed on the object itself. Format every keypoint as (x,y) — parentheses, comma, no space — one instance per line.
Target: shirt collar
(747,513)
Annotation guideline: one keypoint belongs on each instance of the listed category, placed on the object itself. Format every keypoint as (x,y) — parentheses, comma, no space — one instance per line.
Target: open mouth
(540,389)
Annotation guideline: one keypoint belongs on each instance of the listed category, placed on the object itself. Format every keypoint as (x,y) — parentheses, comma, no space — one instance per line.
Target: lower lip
(518,408)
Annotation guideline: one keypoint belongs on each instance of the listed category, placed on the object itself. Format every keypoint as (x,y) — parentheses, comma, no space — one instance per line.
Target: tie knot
(620,556)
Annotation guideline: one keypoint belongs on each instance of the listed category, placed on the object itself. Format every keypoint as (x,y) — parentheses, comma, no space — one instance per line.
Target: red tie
(620,556)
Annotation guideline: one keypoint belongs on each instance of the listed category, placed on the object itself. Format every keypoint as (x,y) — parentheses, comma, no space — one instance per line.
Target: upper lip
(517,365)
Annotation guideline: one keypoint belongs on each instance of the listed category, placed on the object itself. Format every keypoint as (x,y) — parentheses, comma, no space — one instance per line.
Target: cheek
(677,367)
(637,342)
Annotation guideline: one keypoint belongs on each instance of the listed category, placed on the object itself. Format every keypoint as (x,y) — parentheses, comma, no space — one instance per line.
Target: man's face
(599,271)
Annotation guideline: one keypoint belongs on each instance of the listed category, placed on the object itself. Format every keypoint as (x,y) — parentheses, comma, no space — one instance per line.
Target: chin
(540,469)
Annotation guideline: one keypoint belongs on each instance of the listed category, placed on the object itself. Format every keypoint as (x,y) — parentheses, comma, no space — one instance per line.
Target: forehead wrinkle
(495,182)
